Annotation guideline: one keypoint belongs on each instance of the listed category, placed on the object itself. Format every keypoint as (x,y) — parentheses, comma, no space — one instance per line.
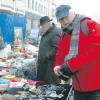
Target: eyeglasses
(61,19)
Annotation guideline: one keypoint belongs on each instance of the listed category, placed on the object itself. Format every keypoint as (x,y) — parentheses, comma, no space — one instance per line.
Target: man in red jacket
(78,55)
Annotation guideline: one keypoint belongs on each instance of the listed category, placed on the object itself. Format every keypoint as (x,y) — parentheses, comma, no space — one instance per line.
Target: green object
(84,27)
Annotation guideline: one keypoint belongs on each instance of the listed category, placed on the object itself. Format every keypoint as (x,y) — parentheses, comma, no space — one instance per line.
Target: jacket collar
(49,30)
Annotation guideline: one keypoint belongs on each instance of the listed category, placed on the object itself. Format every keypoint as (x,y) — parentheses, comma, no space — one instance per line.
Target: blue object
(7,24)
(30,75)
(62,11)
(3,81)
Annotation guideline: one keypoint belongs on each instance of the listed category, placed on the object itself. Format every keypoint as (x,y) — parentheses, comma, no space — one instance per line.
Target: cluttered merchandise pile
(18,78)
(37,92)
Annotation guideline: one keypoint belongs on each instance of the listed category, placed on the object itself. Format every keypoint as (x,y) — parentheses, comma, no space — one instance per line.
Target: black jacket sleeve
(54,45)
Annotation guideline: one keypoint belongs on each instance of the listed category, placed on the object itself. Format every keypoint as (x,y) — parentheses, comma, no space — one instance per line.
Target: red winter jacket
(87,63)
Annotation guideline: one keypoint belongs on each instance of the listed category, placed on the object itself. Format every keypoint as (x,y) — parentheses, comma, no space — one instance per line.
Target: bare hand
(57,70)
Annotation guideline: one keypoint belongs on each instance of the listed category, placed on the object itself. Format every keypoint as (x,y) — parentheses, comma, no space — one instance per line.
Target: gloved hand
(63,71)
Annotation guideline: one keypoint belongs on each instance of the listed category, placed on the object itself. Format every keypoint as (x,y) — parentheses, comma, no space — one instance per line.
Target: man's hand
(57,70)
(60,74)
(63,71)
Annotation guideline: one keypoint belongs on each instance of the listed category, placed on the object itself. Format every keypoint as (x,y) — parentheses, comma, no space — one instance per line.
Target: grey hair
(71,11)
(50,23)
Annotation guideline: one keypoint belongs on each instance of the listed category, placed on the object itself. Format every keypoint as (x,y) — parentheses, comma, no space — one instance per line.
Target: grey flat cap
(62,11)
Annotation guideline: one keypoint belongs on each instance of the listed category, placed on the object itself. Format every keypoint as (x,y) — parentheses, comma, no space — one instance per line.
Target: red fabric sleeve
(59,58)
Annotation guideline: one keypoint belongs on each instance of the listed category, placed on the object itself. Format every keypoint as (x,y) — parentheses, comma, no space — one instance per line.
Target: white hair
(71,11)
(50,22)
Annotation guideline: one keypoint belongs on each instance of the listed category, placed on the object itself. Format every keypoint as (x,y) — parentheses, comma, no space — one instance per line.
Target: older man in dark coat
(47,51)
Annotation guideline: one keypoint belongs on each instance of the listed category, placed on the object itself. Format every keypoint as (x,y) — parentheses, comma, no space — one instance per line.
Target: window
(44,10)
(28,3)
(36,6)
(32,4)
(39,8)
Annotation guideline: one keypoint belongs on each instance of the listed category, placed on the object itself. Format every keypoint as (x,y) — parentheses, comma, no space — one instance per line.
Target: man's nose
(62,22)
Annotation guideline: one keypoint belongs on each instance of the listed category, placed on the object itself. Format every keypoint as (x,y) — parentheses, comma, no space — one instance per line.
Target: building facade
(32,10)
(36,9)
(12,19)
